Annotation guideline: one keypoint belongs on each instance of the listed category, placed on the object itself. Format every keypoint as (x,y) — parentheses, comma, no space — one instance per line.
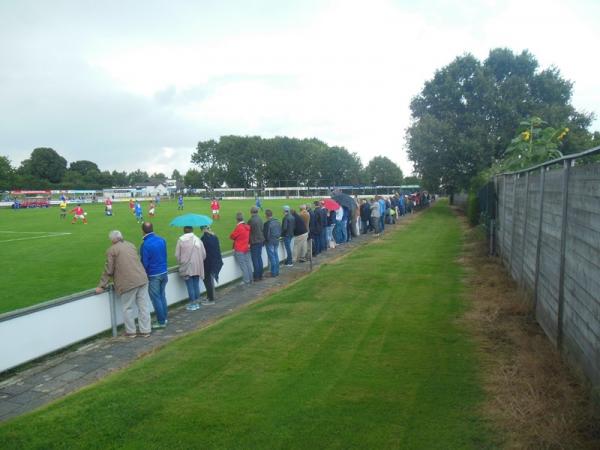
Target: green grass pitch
(44,257)
(364,353)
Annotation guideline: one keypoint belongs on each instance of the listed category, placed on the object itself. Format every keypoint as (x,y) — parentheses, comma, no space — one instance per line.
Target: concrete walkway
(56,376)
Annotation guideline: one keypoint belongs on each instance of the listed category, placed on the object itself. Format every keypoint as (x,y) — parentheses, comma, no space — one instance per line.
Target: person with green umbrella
(190,254)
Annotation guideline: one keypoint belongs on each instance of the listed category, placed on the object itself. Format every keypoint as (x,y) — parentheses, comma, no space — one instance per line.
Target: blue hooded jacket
(154,254)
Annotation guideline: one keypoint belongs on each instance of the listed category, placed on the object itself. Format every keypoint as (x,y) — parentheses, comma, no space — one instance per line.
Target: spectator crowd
(305,233)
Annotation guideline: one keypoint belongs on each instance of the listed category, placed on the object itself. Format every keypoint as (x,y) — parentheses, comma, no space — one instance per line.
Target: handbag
(183,269)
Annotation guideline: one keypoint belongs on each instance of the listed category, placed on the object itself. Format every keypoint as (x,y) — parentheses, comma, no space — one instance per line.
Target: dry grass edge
(533,397)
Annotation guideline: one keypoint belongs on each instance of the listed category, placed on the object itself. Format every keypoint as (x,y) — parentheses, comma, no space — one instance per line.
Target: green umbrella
(191,220)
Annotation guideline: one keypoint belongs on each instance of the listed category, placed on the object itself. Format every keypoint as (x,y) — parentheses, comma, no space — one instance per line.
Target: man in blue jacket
(154,259)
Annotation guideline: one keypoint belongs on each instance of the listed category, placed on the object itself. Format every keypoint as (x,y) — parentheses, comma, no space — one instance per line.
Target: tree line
(255,161)
(466,117)
(46,169)
(235,161)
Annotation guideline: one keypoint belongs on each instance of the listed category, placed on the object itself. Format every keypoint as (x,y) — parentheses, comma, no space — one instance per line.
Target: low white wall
(48,328)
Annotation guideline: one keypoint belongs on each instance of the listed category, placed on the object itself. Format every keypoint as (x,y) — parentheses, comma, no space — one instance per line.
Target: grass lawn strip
(365,353)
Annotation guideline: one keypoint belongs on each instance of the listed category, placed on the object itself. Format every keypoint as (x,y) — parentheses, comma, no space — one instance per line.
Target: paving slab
(58,375)
(16,389)
(7,407)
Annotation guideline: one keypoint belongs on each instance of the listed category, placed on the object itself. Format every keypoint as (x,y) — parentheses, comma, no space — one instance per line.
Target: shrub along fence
(547,228)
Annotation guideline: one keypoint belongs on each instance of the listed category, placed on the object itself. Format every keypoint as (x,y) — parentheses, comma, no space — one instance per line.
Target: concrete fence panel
(548,236)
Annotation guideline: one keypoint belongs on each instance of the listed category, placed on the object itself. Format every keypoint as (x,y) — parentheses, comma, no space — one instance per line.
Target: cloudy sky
(136,84)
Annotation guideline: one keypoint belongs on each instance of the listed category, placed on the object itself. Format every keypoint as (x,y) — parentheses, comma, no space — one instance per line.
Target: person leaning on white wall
(123,266)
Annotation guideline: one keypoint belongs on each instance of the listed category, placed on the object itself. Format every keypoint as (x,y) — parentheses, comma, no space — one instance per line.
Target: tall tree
(411,180)
(138,176)
(241,159)
(464,118)
(176,175)
(44,164)
(212,167)
(248,161)
(158,176)
(336,166)
(382,171)
(84,167)
(120,179)
(7,174)
(105,179)
(193,179)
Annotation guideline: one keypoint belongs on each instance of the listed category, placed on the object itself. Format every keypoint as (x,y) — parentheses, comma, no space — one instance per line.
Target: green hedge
(473,208)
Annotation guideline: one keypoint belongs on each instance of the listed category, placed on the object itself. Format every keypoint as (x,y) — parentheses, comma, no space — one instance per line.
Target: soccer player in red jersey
(216,208)
(78,214)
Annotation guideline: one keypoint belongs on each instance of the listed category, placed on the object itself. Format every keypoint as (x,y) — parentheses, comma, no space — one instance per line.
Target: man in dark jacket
(365,215)
(257,240)
(212,264)
(272,233)
(323,222)
(316,226)
(287,231)
(300,237)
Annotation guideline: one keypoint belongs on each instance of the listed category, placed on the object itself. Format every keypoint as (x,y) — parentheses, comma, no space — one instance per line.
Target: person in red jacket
(241,247)
(78,214)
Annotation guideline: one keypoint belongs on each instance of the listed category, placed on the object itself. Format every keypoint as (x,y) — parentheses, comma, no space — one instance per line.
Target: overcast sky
(136,84)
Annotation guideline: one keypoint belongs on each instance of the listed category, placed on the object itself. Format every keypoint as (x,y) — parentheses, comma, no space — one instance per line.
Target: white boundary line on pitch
(29,232)
(52,234)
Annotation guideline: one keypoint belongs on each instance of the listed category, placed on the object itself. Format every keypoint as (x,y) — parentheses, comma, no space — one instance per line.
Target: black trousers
(209,282)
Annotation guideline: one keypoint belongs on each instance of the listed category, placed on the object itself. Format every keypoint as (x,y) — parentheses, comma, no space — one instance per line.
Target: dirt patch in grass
(534,398)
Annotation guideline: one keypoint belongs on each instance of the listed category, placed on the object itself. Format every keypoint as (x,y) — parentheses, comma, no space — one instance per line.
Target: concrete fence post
(526,215)
(514,223)
(113,310)
(538,247)
(563,247)
(489,192)
(503,223)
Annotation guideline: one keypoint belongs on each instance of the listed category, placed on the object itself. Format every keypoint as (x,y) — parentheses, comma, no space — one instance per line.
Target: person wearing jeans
(192,285)
(256,243)
(190,255)
(344,225)
(381,203)
(156,289)
(153,253)
(287,231)
(241,247)
(273,254)
(272,233)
